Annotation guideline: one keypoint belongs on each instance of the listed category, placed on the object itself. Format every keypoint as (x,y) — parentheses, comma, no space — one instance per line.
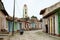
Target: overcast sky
(34,6)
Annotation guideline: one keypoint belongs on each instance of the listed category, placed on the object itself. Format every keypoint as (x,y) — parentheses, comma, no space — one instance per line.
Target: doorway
(20,26)
(46,28)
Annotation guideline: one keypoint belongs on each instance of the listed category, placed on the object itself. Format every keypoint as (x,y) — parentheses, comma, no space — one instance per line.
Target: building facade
(3,15)
(9,22)
(51,19)
(3,26)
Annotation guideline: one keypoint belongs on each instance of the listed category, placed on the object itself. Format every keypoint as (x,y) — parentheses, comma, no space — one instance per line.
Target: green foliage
(33,17)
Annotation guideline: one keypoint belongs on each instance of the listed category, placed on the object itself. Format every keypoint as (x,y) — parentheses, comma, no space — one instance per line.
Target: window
(25,12)
(33,25)
(20,25)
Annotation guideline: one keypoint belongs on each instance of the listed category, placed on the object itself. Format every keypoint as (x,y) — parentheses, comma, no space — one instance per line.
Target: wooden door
(54,25)
(20,25)
(50,25)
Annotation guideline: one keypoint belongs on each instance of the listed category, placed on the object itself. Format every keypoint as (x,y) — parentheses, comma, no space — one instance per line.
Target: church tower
(25,15)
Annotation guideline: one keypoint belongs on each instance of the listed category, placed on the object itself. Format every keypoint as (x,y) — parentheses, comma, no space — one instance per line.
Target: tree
(34,17)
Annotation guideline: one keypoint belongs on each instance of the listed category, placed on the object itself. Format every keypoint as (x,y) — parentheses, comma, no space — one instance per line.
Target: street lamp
(13,18)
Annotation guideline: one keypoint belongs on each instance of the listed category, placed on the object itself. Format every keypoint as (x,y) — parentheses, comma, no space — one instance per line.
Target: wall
(59,22)
(37,25)
(56,24)
(10,25)
(2,21)
(40,25)
(43,26)
(23,25)
(15,26)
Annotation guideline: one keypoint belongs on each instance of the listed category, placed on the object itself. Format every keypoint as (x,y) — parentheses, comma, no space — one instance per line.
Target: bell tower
(25,15)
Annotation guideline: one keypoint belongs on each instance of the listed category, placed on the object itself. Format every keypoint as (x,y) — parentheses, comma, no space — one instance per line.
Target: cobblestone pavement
(33,35)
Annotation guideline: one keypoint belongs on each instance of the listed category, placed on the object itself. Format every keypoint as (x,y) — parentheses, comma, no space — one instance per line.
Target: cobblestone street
(33,35)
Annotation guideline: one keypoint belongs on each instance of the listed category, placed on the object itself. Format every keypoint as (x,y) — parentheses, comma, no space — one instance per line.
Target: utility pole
(13,18)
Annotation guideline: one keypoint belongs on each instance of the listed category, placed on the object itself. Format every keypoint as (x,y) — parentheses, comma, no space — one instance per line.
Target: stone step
(4,34)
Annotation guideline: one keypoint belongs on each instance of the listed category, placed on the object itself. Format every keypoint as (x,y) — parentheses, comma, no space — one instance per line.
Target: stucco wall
(43,26)
(40,25)
(3,21)
(58,21)
(23,25)
(56,24)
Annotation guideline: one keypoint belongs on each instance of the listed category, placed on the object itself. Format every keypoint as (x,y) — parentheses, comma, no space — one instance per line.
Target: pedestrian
(21,32)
